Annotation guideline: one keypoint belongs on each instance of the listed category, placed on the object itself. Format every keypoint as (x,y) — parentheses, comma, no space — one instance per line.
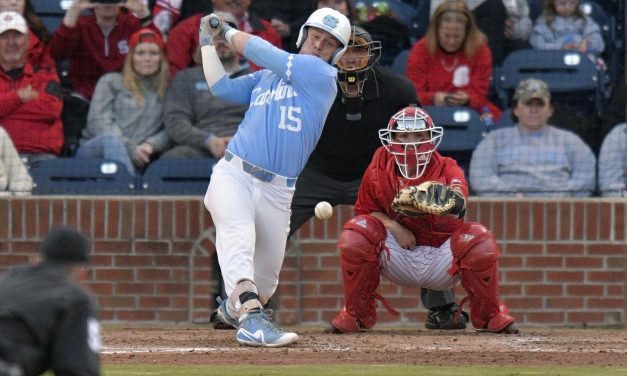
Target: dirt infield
(533,347)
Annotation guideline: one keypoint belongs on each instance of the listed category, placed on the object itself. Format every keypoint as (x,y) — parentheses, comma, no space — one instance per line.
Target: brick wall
(563,262)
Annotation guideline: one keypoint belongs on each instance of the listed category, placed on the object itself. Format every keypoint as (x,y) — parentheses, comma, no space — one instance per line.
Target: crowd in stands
(122,81)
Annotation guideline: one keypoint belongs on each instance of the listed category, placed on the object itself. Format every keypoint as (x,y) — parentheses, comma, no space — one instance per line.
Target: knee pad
(473,247)
(362,239)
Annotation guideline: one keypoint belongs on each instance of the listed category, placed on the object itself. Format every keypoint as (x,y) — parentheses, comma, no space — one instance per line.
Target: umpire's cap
(65,245)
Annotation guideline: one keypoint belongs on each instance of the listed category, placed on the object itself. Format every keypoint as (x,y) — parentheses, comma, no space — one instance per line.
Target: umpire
(47,320)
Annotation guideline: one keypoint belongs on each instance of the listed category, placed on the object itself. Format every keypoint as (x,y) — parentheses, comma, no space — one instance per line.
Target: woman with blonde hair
(125,121)
(452,64)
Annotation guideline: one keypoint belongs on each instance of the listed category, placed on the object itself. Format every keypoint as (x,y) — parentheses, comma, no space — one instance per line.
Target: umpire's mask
(354,67)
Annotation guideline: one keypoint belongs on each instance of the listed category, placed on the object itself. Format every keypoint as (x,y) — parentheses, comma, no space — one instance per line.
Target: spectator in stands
(614,112)
(385,25)
(286,16)
(14,177)
(343,6)
(125,121)
(490,17)
(183,38)
(563,26)
(97,43)
(198,123)
(38,35)
(518,25)
(532,158)
(30,97)
(452,64)
(167,13)
(613,163)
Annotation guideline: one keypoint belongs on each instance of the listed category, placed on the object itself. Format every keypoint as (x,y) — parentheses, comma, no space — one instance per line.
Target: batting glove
(210,27)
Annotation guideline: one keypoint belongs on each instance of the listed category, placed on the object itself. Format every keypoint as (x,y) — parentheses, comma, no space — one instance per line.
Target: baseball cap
(146,36)
(12,21)
(64,245)
(532,88)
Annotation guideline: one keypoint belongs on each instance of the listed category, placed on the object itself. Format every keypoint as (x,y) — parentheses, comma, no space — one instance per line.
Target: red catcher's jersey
(381,182)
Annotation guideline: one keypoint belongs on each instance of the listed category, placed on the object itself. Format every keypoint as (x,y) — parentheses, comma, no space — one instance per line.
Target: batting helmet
(331,21)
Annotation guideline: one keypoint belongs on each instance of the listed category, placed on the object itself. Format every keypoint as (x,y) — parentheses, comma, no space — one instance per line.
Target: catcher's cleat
(447,317)
(224,320)
(502,322)
(511,329)
(344,323)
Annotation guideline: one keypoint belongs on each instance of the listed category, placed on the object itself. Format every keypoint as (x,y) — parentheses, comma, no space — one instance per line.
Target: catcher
(410,228)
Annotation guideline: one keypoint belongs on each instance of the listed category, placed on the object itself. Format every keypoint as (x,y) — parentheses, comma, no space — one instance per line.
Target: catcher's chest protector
(361,242)
(475,257)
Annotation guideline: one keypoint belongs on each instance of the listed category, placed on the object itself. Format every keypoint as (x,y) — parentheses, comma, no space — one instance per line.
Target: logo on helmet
(330,21)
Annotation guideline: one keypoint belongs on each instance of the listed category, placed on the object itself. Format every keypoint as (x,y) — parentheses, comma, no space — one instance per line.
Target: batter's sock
(249,295)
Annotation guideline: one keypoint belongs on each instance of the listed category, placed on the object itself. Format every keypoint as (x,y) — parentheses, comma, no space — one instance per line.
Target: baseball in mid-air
(323,210)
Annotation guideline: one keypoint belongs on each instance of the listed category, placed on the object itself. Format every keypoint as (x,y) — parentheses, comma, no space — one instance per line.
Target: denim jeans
(107,146)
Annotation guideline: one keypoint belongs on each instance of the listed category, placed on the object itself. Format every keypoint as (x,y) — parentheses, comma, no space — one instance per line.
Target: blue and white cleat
(256,330)
(223,315)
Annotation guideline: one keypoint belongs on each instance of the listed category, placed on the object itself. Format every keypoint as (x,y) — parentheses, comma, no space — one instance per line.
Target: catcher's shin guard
(475,257)
(361,242)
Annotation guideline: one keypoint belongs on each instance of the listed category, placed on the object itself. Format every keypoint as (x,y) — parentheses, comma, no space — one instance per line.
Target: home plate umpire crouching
(47,320)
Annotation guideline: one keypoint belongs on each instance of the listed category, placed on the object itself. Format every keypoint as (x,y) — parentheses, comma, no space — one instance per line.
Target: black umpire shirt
(48,321)
(346,147)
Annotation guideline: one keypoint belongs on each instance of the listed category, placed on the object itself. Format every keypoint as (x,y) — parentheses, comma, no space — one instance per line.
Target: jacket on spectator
(113,109)
(35,127)
(472,75)
(192,112)
(14,177)
(566,30)
(549,162)
(183,39)
(91,53)
(38,52)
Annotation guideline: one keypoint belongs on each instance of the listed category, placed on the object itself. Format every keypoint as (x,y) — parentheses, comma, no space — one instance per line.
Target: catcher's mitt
(429,197)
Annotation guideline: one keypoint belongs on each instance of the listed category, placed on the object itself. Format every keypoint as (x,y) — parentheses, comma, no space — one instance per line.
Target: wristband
(228,34)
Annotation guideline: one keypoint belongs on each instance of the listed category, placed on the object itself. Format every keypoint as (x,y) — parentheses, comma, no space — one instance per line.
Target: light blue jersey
(289,102)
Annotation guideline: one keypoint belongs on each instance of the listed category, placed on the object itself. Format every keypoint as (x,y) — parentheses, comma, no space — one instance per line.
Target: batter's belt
(258,172)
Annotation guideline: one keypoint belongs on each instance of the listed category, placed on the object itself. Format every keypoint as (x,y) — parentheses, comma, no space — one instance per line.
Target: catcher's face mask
(411,137)
(353,69)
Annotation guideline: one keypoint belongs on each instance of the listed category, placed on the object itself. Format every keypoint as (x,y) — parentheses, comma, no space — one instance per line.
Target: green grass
(348,370)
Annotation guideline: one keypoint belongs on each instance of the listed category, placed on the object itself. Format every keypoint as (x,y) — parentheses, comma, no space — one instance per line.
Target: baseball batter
(413,248)
(251,188)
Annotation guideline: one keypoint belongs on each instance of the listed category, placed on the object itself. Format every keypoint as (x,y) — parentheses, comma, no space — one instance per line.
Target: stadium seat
(463,127)
(535,9)
(178,176)
(51,12)
(74,176)
(596,12)
(463,130)
(505,120)
(399,66)
(569,73)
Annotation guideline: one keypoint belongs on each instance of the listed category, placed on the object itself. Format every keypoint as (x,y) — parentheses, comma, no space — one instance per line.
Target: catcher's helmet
(412,151)
(331,21)
(364,53)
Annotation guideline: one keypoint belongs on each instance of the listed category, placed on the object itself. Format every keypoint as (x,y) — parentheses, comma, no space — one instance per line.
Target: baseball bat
(214,23)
